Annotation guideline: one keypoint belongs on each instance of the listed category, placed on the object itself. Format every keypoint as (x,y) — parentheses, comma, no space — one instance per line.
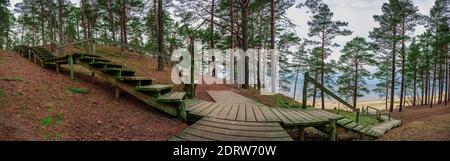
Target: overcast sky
(358,13)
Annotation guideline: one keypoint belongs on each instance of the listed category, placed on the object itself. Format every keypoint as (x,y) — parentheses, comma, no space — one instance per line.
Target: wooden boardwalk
(212,129)
(246,122)
(226,96)
(259,113)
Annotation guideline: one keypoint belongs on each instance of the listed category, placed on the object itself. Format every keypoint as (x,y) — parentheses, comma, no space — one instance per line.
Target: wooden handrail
(325,90)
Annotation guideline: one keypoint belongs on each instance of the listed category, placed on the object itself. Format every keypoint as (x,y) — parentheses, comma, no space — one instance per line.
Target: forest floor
(421,123)
(41,108)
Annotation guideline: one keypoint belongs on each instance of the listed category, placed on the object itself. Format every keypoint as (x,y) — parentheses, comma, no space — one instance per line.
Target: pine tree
(388,33)
(353,60)
(326,29)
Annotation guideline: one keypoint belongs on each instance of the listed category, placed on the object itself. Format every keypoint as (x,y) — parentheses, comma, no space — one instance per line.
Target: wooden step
(92,59)
(105,65)
(136,81)
(154,87)
(172,97)
(89,55)
(120,72)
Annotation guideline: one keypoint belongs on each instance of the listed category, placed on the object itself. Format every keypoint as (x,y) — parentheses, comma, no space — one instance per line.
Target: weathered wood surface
(172,97)
(213,129)
(254,113)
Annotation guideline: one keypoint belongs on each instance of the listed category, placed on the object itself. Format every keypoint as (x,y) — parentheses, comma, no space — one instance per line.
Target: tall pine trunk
(433,85)
(402,87)
(355,90)
(322,70)
(83,23)
(61,25)
(394,48)
(244,28)
(160,36)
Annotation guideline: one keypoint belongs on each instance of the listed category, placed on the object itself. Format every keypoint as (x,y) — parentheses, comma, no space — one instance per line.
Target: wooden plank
(241,113)
(268,114)
(190,137)
(330,115)
(189,101)
(209,109)
(193,102)
(172,97)
(201,108)
(306,116)
(292,118)
(244,133)
(201,103)
(224,113)
(233,112)
(344,121)
(301,115)
(258,114)
(175,138)
(318,114)
(281,116)
(307,113)
(216,111)
(364,130)
(154,87)
(351,125)
(250,114)
(272,124)
(239,127)
(221,137)
(357,128)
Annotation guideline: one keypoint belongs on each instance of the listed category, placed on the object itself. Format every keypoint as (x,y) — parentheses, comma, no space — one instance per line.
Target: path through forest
(421,123)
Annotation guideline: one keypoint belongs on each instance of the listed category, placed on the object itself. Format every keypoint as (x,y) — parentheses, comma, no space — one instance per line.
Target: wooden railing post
(357,115)
(305,91)
(72,77)
(333,130)
(301,134)
(182,111)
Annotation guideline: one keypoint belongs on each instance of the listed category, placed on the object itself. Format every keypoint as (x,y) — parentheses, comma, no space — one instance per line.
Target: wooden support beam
(301,134)
(325,90)
(72,77)
(35,58)
(333,130)
(57,67)
(117,92)
(29,55)
(182,115)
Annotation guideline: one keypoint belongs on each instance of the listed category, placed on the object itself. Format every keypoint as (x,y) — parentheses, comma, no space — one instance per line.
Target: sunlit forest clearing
(104,70)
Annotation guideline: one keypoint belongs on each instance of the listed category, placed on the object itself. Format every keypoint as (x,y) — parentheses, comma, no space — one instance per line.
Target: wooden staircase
(159,96)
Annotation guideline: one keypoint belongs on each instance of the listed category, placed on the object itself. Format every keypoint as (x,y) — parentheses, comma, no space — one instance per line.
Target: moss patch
(77,90)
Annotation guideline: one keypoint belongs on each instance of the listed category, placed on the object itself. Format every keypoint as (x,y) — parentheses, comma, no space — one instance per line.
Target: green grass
(20,79)
(77,90)
(2,94)
(280,100)
(46,121)
(363,120)
(58,119)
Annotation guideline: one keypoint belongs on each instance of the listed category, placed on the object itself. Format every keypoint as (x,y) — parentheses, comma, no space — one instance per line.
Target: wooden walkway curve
(244,122)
